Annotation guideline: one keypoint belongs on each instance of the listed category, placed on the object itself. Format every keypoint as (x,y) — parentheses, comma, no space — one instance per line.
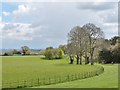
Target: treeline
(25,50)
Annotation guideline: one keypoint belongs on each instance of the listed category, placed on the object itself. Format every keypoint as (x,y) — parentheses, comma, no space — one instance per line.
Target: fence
(49,80)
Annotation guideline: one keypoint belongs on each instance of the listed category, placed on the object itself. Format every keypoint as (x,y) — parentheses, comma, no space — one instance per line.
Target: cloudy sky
(42,24)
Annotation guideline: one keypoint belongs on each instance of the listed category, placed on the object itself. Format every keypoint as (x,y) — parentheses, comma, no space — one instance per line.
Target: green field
(17,69)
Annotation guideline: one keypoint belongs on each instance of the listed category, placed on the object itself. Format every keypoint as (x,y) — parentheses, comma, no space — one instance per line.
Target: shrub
(54,53)
(105,56)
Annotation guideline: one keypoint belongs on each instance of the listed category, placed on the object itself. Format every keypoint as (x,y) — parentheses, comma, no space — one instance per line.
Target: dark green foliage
(113,40)
(10,53)
(105,56)
(16,51)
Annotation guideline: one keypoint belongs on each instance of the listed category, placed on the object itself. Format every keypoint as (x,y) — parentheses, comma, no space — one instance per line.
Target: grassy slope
(109,79)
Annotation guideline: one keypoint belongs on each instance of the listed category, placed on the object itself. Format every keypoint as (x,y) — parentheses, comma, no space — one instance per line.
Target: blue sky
(43,24)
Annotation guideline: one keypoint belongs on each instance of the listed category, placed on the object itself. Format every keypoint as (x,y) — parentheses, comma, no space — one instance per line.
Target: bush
(105,56)
(51,53)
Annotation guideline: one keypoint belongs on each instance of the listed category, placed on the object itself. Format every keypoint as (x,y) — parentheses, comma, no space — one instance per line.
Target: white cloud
(6,13)
(19,31)
(22,10)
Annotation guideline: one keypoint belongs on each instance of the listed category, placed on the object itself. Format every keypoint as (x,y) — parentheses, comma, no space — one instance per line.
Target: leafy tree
(63,47)
(114,39)
(16,51)
(116,51)
(105,56)
(49,54)
(60,53)
(54,53)
(25,50)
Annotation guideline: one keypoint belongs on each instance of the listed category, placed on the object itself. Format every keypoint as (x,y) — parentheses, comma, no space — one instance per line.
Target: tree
(63,47)
(105,56)
(60,53)
(95,34)
(49,54)
(116,51)
(25,50)
(114,39)
(76,38)
(54,53)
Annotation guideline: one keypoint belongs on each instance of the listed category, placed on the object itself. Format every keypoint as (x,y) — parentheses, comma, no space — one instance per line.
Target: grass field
(18,68)
(109,79)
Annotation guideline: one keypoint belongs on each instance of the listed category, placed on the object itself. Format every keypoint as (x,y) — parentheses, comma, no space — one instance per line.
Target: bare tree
(95,34)
(76,37)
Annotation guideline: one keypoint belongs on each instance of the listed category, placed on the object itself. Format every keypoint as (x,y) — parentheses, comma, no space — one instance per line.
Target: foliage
(105,56)
(25,50)
(113,40)
(54,53)
(10,53)
(82,41)
(16,51)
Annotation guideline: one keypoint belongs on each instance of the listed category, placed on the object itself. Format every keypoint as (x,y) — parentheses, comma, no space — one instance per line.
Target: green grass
(109,79)
(18,68)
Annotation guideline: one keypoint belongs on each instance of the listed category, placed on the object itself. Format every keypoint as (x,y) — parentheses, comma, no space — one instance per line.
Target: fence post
(68,78)
(24,83)
(10,84)
(59,79)
(49,80)
(38,82)
(72,77)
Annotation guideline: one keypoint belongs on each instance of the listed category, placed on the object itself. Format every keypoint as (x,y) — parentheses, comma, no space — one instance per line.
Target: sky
(42,24)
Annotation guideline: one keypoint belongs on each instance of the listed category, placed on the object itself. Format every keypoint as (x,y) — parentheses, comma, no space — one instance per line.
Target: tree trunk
(92,60)
(77,58)
(80,59)
(86,59)
(71,59)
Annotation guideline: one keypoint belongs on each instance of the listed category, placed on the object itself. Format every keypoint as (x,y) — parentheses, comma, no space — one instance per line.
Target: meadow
(17,69)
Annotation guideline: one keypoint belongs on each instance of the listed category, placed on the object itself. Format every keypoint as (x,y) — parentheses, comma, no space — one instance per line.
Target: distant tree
(15,51)
(49,54)
(9,53)
(54,53)
(63,47)
(25,50)
(114,39)
(116,51)
(49,48)
(60,53)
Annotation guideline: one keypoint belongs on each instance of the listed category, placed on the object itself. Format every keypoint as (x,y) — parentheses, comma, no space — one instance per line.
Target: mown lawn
(30,68)
(109,79)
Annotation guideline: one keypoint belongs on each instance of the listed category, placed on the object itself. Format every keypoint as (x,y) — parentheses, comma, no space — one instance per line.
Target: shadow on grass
(43,58)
